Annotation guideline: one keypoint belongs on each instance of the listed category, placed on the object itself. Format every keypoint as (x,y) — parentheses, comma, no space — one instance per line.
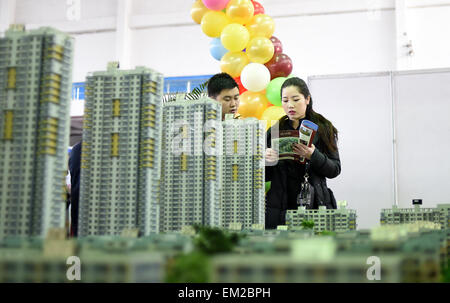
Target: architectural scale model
(120,169)
(404,237)
(102,260)
(276,269)
(35,88)
(337,220)
(191,164)
(440,214)
(243,173)
(414,252)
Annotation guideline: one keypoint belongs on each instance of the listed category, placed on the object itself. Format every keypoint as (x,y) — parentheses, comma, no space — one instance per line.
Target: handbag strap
(305,189)
(307,170)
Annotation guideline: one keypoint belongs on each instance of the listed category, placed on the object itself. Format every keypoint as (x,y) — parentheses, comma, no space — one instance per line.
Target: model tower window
(11,78)
(48,136)
(116,108)
(8,125)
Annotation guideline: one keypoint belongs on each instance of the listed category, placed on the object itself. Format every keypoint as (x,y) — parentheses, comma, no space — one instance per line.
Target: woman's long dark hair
(327,132)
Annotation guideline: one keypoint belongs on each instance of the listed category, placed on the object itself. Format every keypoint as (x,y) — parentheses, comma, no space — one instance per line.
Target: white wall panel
(343,43)
(422,102)
(92,53)
(176,51)
(359,106)
(363,108)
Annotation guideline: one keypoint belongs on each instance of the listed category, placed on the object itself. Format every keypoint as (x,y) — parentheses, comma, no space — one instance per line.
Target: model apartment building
(440,214)
(121,155)
(337,220)
(35,88)
(191,164)
(243,202)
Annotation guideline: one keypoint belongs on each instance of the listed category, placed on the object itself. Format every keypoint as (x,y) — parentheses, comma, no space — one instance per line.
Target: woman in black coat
(322,157)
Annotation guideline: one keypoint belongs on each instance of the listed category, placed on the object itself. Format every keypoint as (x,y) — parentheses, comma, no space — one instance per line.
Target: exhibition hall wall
(360,108)
(393,138)
(348,49)
(320,36)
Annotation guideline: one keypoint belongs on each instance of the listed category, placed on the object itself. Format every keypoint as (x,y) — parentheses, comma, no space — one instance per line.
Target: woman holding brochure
(298,171)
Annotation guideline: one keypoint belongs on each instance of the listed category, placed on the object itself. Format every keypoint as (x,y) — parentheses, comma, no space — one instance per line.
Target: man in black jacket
(74,167)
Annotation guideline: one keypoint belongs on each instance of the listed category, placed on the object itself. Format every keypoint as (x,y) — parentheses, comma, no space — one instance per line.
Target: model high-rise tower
(190,183)
(35,87)
(243,173)
(121,153)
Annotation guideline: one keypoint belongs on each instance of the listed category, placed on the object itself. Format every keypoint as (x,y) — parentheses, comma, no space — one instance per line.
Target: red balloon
(259,9)
(277,45)
(242,89)
(279,66)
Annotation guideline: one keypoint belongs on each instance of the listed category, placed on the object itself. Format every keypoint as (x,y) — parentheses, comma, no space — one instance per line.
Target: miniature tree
(214,240)
(189,268)
(308,224)
(193,267)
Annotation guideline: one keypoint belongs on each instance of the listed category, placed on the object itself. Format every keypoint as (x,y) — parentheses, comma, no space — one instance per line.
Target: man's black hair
(219,82)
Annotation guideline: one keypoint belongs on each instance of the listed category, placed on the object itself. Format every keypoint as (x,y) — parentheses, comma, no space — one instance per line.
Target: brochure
(287,138)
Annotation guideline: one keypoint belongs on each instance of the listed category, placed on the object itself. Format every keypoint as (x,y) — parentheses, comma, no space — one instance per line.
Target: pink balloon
(216,5)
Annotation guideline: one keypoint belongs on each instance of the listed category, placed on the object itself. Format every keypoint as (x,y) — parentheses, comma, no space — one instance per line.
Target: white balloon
(255,77)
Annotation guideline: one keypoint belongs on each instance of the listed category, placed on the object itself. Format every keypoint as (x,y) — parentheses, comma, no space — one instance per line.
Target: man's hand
(303,150)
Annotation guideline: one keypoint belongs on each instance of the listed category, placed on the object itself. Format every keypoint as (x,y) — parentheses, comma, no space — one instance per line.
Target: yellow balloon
(273,113)
(260,50)
(213,22)
(261,26)
(252,104)
(198,10)
(234,37)
(240,11)
(233,63)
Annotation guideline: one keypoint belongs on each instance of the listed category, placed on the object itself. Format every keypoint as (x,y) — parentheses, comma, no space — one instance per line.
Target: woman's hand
(271,156)
(303,150)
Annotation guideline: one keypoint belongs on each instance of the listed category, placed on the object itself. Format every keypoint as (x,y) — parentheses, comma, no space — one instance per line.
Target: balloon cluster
(243,42)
